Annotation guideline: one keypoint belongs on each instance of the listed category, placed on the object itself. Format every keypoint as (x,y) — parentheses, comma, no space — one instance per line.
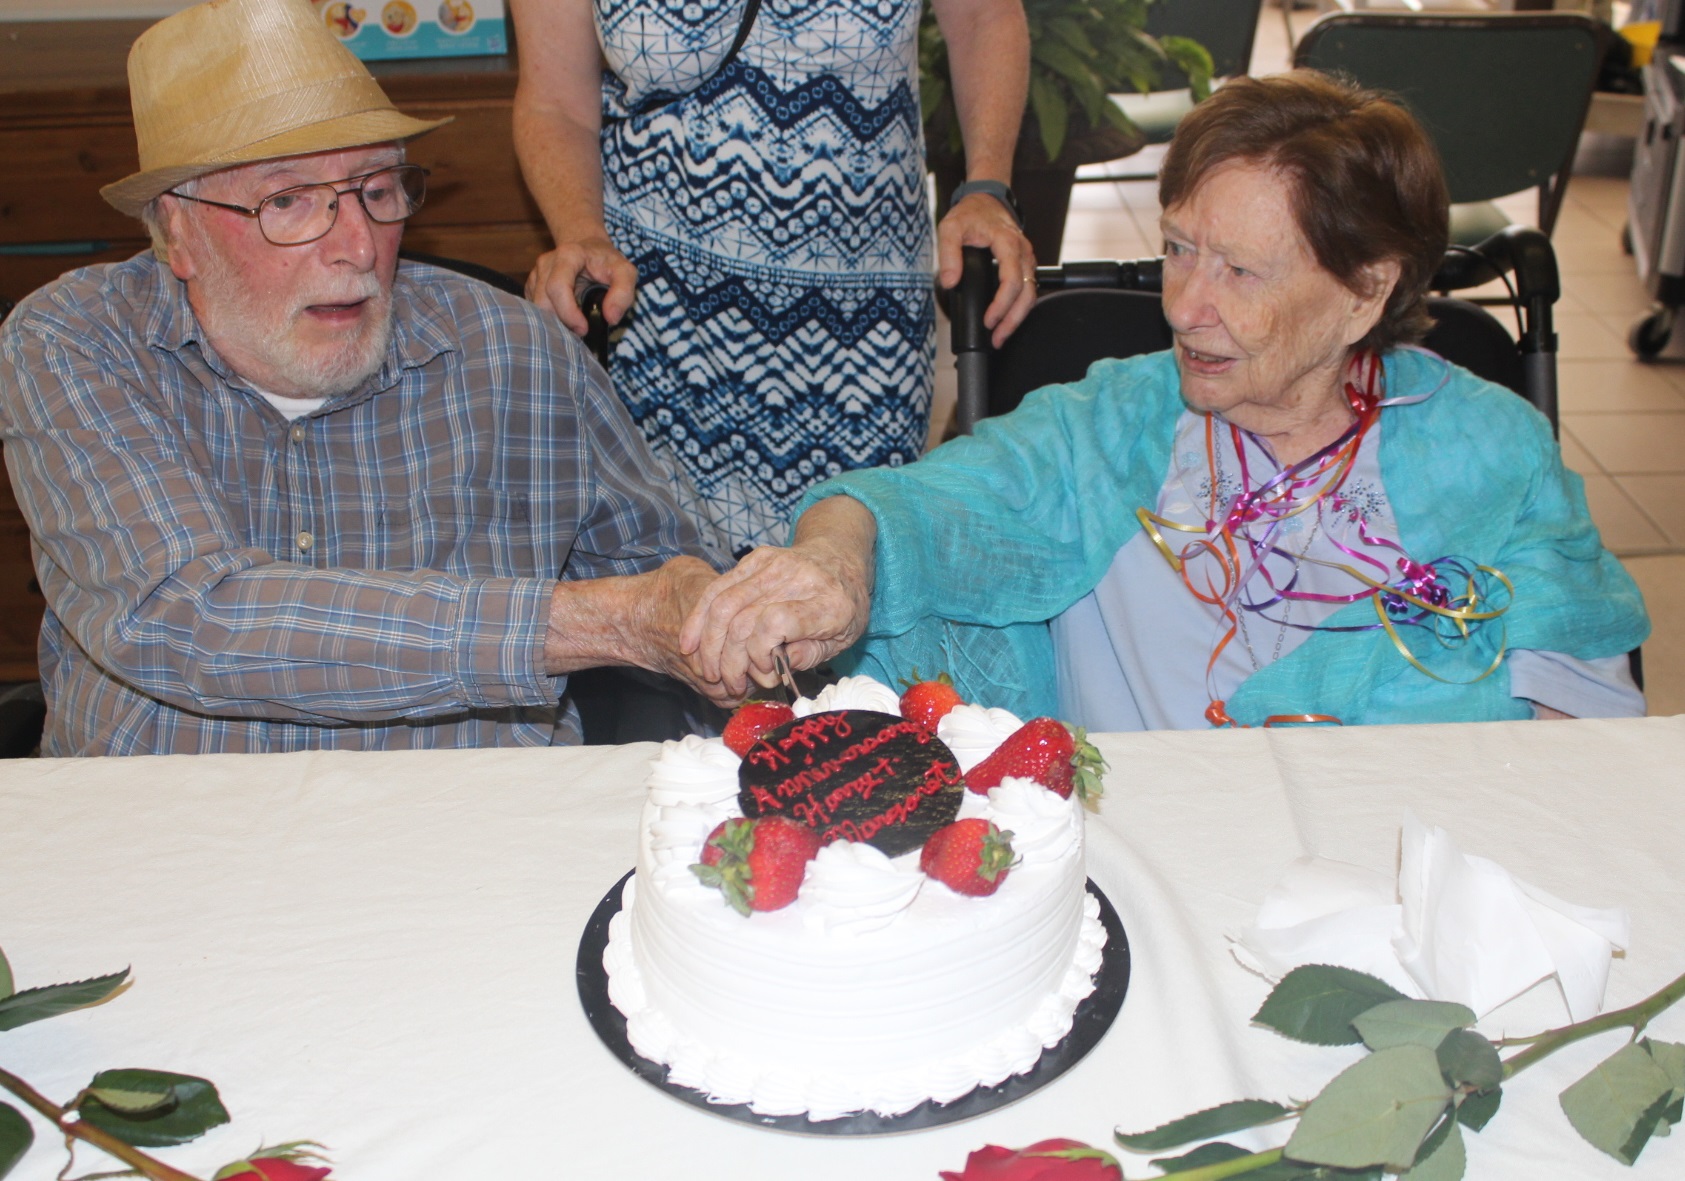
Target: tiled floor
(1623,421)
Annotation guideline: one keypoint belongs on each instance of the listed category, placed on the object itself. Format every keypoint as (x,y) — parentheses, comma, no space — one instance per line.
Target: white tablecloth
(377,951)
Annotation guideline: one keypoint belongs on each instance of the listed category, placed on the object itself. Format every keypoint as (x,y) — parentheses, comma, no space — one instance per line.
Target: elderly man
(287,493)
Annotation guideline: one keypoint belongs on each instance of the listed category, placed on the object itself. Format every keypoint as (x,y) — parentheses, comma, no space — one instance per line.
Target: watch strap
(992,188)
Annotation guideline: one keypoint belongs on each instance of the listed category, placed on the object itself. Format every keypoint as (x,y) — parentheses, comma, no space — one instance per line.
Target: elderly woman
(1295,514)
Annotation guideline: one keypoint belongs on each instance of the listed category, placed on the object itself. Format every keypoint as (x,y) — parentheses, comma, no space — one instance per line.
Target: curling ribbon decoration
(1237,538)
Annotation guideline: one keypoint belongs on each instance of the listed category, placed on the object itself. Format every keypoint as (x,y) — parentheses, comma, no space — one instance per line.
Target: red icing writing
(811,777)
(815,729)
(938,776)
(851,775)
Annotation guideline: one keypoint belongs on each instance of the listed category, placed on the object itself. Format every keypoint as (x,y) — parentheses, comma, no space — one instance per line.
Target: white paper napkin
(1454,927)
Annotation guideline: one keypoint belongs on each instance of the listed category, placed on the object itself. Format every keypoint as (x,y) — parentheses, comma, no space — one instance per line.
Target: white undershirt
(291,408)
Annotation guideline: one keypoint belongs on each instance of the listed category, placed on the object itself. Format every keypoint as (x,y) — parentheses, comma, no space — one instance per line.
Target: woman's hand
(560,277)
(989,65)
(557,118)
(814,599)
(980,220)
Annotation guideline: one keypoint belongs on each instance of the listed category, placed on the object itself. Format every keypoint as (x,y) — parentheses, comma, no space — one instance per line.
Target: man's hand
(631,620)
(980,220)
(814,598)
(560,277)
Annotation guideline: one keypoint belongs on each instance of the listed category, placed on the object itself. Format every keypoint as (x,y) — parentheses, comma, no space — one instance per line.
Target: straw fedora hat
(235,81)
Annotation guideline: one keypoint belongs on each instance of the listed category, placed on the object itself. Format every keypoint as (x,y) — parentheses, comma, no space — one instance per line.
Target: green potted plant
(1080,52)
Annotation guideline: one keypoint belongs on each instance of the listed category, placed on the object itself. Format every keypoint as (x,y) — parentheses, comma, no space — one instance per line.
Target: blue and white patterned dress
(784,324)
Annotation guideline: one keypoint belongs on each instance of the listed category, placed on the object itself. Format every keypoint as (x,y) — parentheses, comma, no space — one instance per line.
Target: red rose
(1046,1160)
(273,1168)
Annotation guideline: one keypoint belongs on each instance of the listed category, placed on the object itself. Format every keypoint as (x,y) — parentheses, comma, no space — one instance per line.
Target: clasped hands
(718,632)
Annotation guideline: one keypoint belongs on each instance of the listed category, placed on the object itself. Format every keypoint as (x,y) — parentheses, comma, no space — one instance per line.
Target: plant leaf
(193,1110)
(1375,1112)
(131,1099)
(1477,1110)
(1654,1118)
(1203,1125)
(15,1137)
(1670,1056)
(1672,1114)
(1619,1102)
(1443,1161)
(1410,1023)
(1218,1152)
(7,986)
(38,1004)
(1316,1003)
(1052,117)
(1193,60)
(1214,1153)
(1470,1060)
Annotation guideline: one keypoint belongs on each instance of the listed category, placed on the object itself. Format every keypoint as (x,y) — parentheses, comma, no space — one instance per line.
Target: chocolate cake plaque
(855,775)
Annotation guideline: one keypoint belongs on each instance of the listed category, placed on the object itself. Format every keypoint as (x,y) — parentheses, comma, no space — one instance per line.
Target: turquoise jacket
(987,538)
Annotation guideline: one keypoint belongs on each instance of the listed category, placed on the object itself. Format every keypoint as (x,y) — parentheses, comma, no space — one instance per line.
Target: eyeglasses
(305,213)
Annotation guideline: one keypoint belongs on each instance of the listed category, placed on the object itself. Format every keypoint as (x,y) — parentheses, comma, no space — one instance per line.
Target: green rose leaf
(1617,1106)
(130,1099)
(193,1108)
(1470,1060)
(1375,1112)
(38,1004)
(1410,1023)
(1203,1125)
(1443,1157)
(15,1137)
(1477,1110)
(1219,1152)
(1670,1056)
(7,987)
(1214,1153)
(1316,1003)
(1654,1121)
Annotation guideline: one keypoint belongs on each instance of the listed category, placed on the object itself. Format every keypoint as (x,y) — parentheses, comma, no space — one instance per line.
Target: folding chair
(1504,96)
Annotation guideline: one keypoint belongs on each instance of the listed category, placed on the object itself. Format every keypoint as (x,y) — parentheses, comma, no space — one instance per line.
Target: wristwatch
(991,188)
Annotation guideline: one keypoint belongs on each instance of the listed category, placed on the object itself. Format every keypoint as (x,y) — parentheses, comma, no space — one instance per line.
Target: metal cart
(1656,203)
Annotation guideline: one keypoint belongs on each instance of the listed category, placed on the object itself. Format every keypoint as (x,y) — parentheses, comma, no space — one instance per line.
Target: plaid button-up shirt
(374,575)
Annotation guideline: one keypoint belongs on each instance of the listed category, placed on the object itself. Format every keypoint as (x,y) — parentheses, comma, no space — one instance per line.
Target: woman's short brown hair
(1366,181)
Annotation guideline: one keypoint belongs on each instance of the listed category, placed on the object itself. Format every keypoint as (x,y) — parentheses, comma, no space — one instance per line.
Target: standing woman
(769,207)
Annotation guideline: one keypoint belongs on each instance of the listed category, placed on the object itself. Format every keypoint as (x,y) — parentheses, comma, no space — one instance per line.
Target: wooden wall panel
(49,190)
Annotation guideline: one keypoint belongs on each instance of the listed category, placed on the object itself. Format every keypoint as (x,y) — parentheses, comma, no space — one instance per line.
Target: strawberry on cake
(832,918)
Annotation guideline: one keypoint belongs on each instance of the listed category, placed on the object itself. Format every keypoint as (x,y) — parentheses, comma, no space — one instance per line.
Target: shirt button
(305,541)
(298,432)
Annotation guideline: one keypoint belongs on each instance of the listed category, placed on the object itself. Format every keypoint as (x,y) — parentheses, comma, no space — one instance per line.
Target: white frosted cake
(878,988)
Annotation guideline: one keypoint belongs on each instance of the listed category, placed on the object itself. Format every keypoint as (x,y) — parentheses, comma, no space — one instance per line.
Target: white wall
(39,10)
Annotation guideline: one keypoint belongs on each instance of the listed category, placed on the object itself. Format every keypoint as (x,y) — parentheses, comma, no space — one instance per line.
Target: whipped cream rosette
(850,693)
(853,888)
(972,732)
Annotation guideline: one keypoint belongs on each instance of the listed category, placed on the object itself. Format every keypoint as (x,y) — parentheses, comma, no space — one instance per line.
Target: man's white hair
(157,225)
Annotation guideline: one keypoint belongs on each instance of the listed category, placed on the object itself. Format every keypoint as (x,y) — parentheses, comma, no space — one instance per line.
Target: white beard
(232,311)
